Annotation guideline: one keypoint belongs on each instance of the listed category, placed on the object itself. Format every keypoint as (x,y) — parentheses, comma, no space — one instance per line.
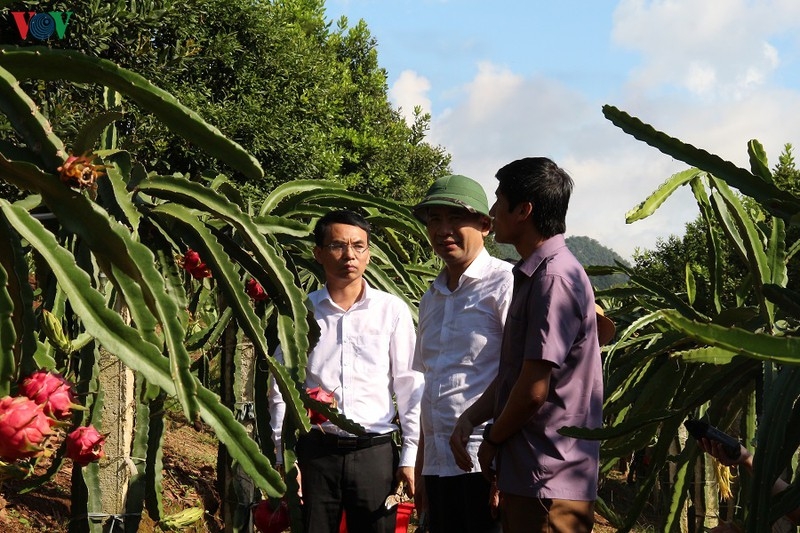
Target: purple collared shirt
(552,318)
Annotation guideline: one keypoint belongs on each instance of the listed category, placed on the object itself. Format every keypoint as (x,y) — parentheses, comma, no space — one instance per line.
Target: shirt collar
(322,295)
(473,271)
(546,249)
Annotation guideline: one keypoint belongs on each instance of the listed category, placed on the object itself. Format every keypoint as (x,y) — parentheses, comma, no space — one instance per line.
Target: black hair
(545,185)
(341,216)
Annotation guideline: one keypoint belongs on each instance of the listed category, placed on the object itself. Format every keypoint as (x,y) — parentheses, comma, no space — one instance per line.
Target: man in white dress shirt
(364,356)
(461,320)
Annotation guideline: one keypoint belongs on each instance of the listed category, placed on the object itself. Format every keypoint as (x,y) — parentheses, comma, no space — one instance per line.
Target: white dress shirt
(458,350)
(364,357)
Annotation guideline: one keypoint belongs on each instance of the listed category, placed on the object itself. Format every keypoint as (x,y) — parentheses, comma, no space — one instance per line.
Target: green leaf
(756,345)
(664,191)
(291,188)
(29,122)
(8,336)
(706,354)
(691,285)
(43,63)
(715,255)
(89,135)
(741,228)
(18,329)
(290,301)
(124,342)
(778,202)
(232,287)
(758,160)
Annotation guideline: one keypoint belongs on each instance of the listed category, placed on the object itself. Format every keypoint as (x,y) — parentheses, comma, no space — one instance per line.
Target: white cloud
(504,116)
(711,48)
(411,90)
(706,75)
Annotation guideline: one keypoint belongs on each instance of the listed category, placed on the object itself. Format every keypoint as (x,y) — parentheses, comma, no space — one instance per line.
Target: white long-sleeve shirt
(364,357)
(458,351)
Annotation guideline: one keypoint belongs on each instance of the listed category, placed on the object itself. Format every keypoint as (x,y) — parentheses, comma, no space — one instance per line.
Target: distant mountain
(591,253)
(587,250)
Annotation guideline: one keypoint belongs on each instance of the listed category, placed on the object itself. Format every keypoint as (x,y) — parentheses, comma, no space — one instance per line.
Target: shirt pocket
(371,355)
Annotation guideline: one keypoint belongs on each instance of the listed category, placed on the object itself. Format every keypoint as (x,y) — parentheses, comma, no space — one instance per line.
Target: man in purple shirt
(549,374)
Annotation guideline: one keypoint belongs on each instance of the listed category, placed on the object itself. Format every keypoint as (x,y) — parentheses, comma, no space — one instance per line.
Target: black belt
(339,443)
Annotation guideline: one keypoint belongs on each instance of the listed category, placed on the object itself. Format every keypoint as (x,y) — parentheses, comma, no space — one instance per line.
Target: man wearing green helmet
(461,320)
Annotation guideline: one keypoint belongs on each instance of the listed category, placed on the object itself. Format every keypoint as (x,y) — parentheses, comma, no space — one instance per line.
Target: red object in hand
(404,511)
(321,395)
(269,520)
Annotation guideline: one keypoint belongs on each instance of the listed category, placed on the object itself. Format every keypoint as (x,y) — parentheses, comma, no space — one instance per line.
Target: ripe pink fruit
(23,427)
(321,395)
(54,393)
(268,520)
(85,445)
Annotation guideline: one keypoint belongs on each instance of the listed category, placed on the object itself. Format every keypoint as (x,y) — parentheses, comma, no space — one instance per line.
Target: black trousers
(336,478)
(460,504)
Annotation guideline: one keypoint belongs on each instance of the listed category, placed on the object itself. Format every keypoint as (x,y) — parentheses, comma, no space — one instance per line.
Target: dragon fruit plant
(120,228)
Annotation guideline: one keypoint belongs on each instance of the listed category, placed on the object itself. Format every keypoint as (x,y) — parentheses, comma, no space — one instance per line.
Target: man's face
(501,218)
(456,234)
(339,255)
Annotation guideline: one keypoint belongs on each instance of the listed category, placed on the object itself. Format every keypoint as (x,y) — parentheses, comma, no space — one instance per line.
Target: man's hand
(458,443)
(486,455)
(715,450)
(405,474)
(494,499)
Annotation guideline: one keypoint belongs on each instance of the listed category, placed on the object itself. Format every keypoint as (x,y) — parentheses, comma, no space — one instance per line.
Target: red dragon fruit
(255,290)
(321,395)
(192,263)
(55,394)
(85,445)
(23,428)
(269,520)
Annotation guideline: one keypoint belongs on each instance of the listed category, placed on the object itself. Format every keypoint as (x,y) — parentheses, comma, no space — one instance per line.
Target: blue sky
(513,78)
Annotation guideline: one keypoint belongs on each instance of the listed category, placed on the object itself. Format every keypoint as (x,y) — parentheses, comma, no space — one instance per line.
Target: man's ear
(486,225)
(317,251)
(525,210)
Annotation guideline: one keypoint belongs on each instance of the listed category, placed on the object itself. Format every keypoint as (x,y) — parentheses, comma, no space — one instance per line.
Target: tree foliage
(307,99)
(118,240)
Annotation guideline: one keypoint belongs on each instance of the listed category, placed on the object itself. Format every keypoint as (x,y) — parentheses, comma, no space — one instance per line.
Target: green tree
(308,100)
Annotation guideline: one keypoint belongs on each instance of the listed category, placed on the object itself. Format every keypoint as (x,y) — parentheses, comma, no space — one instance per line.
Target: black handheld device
(699,429)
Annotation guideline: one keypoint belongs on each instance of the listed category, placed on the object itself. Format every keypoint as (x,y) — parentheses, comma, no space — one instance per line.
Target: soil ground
(189,480)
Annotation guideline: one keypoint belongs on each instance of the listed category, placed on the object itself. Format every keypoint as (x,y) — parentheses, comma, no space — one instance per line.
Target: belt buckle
(347,443)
